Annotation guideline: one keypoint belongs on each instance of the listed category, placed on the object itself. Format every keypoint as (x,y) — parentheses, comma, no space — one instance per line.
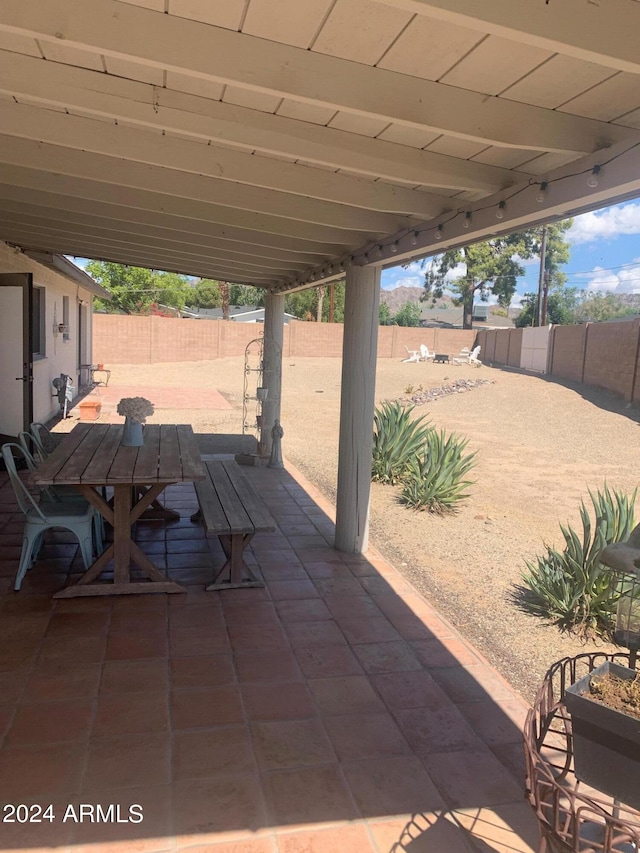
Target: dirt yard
(540,446)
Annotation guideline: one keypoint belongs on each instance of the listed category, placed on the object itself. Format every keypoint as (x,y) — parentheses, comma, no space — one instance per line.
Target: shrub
(435,479)
(571,586)
(397,438)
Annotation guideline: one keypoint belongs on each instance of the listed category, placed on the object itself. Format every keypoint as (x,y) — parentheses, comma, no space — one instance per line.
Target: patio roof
(224,141)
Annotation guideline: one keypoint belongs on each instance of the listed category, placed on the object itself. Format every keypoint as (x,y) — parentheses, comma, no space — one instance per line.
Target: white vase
(132,434)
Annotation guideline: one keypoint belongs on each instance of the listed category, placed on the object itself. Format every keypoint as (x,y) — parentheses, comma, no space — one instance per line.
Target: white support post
(359,353)
(272,378)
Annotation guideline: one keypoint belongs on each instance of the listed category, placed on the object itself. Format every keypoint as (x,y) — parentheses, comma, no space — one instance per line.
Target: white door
(16,358)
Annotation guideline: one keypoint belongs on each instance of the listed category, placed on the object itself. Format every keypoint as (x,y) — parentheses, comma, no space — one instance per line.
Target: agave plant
(435,479)
(397,438)
(571,586)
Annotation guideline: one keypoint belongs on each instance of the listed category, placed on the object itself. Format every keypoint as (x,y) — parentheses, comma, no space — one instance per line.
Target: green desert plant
(435,479)
(397,438)
(571,586)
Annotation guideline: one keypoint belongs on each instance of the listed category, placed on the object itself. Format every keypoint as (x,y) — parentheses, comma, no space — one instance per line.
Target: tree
(307,304)
(385,315)
(135,289)
(321,292)
(408,314)
(207,294)
(492,267)
(562,307)
(596,307)
(244,294)
(224,299)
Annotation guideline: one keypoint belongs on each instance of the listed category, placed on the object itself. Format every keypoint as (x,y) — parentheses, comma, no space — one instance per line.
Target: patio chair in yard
(76,516)
(425,353)
(412,354)
(469,357)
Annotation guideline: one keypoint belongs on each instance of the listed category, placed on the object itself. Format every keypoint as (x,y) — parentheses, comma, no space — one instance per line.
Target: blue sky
(605,255)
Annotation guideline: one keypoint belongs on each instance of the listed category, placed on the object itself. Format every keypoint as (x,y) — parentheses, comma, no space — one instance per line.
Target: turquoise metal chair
(78,517)
(58,494)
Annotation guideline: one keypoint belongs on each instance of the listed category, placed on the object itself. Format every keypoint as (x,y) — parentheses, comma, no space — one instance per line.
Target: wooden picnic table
(91,456)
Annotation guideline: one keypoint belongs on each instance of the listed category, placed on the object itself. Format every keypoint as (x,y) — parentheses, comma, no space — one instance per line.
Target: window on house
(39,339)
(65,317)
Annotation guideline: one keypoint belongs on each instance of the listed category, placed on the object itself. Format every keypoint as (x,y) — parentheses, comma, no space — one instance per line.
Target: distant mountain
(399,296)
(632,300)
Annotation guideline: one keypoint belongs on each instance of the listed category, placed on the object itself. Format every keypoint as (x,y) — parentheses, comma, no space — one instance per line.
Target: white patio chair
(469,358)
(412,354)
(425,353)
(76,517)
(473,357)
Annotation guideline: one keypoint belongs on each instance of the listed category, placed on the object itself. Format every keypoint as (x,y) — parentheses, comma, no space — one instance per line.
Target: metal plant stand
(573,818)
(251,400)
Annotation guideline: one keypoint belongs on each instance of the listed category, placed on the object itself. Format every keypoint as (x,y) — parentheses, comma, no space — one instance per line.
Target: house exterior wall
(61,354)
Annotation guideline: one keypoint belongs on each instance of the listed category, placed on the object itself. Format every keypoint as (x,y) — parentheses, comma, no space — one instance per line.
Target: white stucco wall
(61,356)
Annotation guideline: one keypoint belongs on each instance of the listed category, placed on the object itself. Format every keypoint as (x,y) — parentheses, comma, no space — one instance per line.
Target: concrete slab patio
(332,711)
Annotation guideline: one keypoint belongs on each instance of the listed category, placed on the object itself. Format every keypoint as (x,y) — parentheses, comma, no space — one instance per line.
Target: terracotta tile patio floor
(333,711)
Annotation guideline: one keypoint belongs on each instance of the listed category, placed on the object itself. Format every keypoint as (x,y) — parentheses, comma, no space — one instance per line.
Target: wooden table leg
(124,551)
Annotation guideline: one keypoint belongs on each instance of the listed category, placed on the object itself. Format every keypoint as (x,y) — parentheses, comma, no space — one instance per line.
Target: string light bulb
(500,210)
(414,238)
(467,219)
(593,180)
(394,247)
(439,232)
(542,192)
(378,251)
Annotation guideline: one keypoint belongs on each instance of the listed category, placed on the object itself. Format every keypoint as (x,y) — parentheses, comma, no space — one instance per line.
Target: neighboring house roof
(451,318)
(63,266)
(237,313)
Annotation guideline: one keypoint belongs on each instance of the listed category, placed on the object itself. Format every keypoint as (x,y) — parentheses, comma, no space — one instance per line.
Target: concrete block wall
(501,350)
(315,339)
(122,339)
(515,347)
(610,357)
(486,340)
(568,352)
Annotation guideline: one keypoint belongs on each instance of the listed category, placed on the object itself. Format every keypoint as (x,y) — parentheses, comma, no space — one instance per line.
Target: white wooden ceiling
(267,142)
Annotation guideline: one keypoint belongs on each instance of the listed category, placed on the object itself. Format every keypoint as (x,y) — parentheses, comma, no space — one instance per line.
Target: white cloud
(626,280)
(408,281)
(415,267)
(459,271)
(605,224)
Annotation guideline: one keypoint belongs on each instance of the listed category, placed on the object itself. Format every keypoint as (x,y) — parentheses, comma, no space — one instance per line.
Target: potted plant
(605,721)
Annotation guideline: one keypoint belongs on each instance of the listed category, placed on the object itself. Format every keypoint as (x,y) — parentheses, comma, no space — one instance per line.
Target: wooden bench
(231,509)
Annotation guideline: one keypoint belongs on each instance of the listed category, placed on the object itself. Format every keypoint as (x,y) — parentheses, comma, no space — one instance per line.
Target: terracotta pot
(90,410)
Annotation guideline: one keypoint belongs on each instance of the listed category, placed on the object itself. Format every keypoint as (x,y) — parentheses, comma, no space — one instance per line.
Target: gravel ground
(541,445)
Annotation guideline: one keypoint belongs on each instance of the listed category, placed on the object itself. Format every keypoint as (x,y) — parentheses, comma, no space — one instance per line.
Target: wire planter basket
(572,817)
